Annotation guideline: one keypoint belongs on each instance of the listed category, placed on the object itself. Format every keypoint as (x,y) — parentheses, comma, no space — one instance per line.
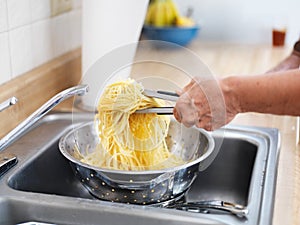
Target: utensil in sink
(212,206)
(195,146)
(165,95)
(7,161)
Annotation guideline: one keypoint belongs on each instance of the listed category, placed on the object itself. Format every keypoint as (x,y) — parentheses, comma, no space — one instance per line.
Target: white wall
(29,36)
(244,21)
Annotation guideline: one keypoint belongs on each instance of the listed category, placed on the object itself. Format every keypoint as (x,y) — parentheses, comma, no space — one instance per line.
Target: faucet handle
(9,102)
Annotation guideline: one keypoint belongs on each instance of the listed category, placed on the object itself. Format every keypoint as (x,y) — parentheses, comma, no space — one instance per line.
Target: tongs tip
(165,95)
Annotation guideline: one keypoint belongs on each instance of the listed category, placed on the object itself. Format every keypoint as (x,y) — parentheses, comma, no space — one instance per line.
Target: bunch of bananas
(184,21)
(162,13)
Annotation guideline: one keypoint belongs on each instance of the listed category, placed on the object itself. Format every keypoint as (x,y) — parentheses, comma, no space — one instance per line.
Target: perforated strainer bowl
(195,146)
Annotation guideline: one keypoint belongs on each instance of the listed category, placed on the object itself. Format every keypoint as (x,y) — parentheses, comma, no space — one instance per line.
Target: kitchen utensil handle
(157,110)
(165,95)
(7,161)
(168,93)
(208,206)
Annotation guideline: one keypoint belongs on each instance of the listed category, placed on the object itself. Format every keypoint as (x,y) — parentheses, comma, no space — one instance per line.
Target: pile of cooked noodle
(129,140)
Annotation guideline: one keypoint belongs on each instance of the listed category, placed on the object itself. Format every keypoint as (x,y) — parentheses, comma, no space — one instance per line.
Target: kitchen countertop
(239,59)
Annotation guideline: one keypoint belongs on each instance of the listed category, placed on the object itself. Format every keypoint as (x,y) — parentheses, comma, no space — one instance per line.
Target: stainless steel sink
(42,187)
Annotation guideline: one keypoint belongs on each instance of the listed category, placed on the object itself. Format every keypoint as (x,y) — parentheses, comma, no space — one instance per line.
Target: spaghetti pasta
(130,141)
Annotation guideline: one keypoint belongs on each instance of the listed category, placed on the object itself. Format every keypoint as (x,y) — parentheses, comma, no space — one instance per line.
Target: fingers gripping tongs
(165,95)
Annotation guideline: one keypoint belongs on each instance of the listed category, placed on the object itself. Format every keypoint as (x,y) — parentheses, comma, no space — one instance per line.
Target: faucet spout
(40,112)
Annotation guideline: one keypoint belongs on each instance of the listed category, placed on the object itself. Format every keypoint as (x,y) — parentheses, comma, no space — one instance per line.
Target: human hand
(203,103)
(289,63)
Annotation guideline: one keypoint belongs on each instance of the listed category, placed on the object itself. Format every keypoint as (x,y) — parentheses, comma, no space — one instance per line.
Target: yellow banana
(169,15)
(162,13)
(183,21)
(174,9)
(150,13)
(159,16)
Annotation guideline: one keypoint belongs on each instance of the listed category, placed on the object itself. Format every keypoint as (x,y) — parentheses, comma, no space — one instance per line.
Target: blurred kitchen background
(40,54)
(33,32)
(248,22)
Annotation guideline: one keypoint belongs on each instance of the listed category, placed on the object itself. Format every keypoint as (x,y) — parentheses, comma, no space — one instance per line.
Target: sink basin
(42,187)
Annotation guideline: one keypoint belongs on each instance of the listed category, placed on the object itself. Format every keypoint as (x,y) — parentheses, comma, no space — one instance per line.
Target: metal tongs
(165,95)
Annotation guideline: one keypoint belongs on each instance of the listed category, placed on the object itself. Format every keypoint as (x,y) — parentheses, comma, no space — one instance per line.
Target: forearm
(275,93)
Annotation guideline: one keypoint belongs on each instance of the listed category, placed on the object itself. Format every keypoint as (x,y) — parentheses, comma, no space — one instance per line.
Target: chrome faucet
(40,112)
(9,102)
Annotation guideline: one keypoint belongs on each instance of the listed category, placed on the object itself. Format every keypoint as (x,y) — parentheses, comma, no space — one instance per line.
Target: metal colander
(195,146)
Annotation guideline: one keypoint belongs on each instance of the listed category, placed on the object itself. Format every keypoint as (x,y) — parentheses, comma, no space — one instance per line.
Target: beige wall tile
(31,37)
(40,9)
(77,4)
(5,66)
(21,50)
(75,29)
(19,13)
(60,34)
(42,46)
(3,16)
